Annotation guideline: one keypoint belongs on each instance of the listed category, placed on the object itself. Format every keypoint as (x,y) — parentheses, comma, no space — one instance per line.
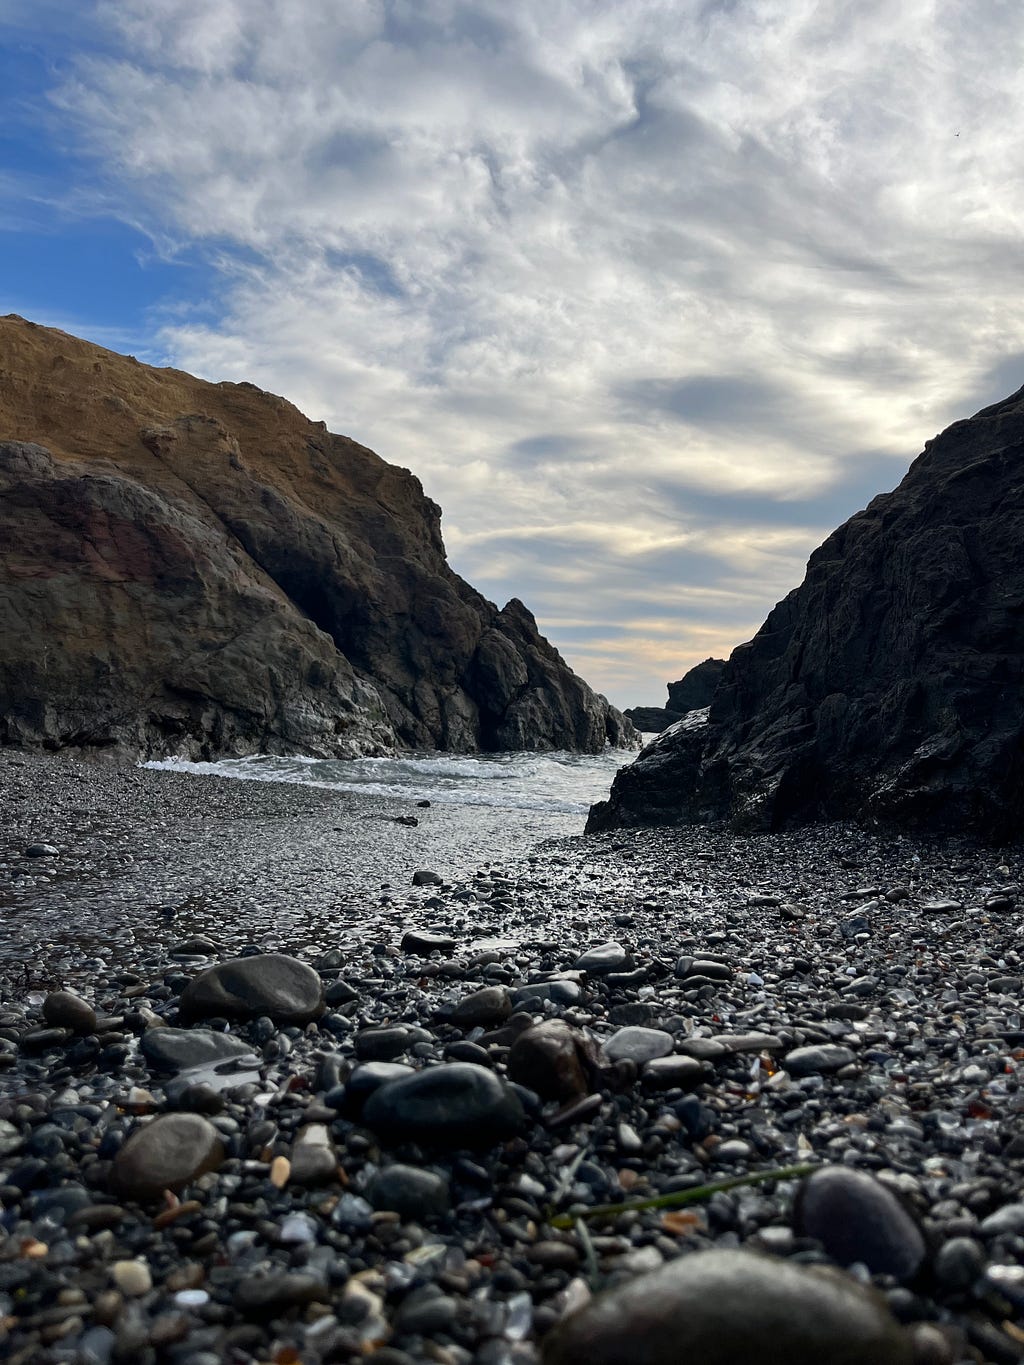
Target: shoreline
(825,997)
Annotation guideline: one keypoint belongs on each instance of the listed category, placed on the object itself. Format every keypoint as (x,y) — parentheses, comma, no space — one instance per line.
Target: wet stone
(605,958)
(665,1073)
(855,1218)
(166,1154)
(313,1159)
(818,1060)
(559,992)
(455,1104)
(420,943)
(384,1044)
(409,1191)
(637,1044)
(64,1009)
(283,988)
(728,1307)
(424,877)
(173,1049)
(549,1058)
(485,1008)
(266,1295)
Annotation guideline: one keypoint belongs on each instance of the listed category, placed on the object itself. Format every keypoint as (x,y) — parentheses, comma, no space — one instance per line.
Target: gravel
(375,1179)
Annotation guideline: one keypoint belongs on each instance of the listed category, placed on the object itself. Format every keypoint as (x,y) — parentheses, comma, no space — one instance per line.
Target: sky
(650,294)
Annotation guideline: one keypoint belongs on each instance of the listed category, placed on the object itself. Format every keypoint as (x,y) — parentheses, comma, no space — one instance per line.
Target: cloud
(633,287)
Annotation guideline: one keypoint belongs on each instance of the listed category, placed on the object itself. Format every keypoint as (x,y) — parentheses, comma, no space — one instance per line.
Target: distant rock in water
(197,568)
(888,685)
(692,692)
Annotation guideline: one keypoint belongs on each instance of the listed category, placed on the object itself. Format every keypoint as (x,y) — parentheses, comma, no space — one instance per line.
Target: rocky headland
(198,568)
(887,687)
(692,692)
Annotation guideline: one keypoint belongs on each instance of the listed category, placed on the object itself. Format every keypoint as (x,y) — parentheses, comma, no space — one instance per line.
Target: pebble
(132,1278)
(605,958)
(64,1009)
(637,1044)
(455,1104)
(818,1060)
(178,1049)
(410,1191)
(282,988)
(857,1219)
(550,1059)
(166,1153)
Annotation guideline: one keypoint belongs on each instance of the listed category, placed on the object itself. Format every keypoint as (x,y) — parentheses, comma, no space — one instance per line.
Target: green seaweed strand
(679,1198)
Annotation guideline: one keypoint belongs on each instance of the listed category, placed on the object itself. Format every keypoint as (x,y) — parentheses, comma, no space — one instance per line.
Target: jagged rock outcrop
(693,691)
(197,568)
(888,686)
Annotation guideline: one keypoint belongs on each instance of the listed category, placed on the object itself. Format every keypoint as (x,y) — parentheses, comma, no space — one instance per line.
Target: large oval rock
(731,1308)
(285,989)
(856,1218)
(455,1105)
(166,1154)
(65,1009)
(180,1049)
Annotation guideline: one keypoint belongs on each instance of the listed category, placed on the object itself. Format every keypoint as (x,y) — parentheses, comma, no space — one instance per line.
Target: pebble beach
(293,1075)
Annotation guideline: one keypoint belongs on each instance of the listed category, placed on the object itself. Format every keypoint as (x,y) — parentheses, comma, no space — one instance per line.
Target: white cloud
(553,254)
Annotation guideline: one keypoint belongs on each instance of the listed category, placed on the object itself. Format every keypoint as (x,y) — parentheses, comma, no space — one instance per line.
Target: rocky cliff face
(693,691)
(889,684)
(193,567)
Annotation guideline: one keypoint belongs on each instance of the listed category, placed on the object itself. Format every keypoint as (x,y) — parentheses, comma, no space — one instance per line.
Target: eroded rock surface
(888,685)
(198,568)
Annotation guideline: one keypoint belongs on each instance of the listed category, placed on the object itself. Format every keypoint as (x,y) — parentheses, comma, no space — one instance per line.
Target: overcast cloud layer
(650,295)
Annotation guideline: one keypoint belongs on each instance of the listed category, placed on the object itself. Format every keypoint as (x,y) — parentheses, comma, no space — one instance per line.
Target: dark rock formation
(197,568)
(692,692)
(888,685)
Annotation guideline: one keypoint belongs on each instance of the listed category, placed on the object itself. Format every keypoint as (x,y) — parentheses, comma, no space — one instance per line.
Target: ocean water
(557,783)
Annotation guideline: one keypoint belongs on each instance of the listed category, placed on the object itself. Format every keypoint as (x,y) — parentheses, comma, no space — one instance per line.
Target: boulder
(887,686)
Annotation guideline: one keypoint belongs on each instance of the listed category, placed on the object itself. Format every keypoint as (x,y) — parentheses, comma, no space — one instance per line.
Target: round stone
(820,1060)
(855,1218)
(452,1105)
(384,1044)
(636,1044)
(283,988)
(409,1191)
(64,1009)
(550,1059)
(606,957)
(723,1307)
(166,1154)
(666,1073)
(483,1009)
(133,1278)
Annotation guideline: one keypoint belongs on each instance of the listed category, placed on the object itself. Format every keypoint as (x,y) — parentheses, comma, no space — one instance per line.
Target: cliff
(888,686)
(692,692)
(198,568)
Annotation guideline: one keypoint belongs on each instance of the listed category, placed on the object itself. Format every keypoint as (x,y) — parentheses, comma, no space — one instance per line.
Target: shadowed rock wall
(889,684)
(194,567)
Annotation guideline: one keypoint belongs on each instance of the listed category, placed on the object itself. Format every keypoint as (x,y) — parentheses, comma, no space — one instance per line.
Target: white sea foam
(559,781)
